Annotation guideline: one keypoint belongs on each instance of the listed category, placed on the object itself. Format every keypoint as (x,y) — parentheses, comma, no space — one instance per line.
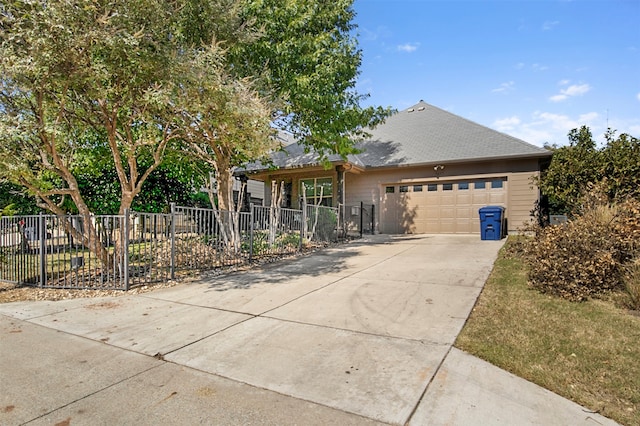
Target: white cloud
(507,124)
(573,90)
(545,127)
(548,25)
(504,87)
(638,96)
(519,65)
(558,98)
(539,67)
(563,82)
(408,47)
(556,121)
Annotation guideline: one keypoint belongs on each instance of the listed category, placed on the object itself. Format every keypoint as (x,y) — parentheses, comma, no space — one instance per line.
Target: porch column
(341,194)
(246,197)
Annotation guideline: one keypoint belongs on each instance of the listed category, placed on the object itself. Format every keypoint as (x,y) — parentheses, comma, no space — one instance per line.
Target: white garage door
(446,207)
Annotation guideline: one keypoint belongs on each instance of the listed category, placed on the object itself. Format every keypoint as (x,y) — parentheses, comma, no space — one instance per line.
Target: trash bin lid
(491,209)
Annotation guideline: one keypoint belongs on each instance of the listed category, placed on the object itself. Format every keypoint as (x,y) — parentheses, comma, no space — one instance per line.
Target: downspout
(341,197)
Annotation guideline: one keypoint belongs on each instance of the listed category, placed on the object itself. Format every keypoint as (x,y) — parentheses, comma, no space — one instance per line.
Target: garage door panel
(480,198)
(447,199)
(447,212)
(463,198)
(463,211)
(432,201)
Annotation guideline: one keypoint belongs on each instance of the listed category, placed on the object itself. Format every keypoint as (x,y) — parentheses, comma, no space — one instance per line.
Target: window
(417,188)
(480,184)
(404,188)
(462,186)
(390,189)
(432,187)
(447,187)
(318,191)
(496,184)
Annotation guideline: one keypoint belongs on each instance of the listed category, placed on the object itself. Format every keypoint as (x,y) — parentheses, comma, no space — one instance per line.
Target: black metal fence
(120,252)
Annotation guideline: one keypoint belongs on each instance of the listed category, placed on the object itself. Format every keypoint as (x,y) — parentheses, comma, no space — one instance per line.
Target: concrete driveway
(356,334)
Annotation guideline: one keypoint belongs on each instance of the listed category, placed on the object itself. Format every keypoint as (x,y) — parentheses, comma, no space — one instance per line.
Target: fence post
(251,230)
(361,217)
(42,228)
(172,261)
(373,219)
(303,231)
(301,226)
(125,249)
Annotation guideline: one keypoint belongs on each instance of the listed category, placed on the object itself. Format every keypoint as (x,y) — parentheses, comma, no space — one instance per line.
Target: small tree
(575,167)
(572,168)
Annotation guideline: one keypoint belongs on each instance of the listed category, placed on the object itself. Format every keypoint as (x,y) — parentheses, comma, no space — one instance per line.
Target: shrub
(586,256)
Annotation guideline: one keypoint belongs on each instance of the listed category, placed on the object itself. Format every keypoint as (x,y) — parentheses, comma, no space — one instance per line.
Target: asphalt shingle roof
(422,134)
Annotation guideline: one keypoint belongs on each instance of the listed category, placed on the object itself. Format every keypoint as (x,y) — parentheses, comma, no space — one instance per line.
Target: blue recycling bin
(491,222)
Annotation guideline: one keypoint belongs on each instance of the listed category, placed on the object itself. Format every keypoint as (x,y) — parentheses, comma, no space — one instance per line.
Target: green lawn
(588,352)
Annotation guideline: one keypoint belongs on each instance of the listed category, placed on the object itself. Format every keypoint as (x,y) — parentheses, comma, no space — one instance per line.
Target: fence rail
(120,252)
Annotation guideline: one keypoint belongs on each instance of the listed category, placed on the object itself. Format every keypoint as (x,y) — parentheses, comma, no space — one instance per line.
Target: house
(424,169)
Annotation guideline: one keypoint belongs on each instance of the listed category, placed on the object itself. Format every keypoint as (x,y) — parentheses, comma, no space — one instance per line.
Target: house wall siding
(521,200)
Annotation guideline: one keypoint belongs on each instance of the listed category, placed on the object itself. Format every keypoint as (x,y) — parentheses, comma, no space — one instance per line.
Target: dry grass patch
(588,352)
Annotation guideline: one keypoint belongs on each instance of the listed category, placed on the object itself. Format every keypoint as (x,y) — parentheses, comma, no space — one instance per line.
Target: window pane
(417,188)
(463,186)
(480,184)
(447,186)
(308,187)
(326,185)
(404,188)
(432,187)
(390,189)
(496,183)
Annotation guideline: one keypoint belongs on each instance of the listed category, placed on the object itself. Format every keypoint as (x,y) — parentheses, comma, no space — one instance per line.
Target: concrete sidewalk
(357,334)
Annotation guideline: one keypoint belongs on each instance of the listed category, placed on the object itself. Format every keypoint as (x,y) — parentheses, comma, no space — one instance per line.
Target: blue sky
(533,69)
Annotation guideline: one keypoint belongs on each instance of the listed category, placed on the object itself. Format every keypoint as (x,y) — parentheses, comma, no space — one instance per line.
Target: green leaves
(580,164)
(308,61)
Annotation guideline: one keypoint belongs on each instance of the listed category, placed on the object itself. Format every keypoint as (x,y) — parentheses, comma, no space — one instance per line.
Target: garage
(433,207)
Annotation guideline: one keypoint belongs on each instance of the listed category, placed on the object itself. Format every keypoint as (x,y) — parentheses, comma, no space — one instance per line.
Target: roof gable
(421,134)
(427,134)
